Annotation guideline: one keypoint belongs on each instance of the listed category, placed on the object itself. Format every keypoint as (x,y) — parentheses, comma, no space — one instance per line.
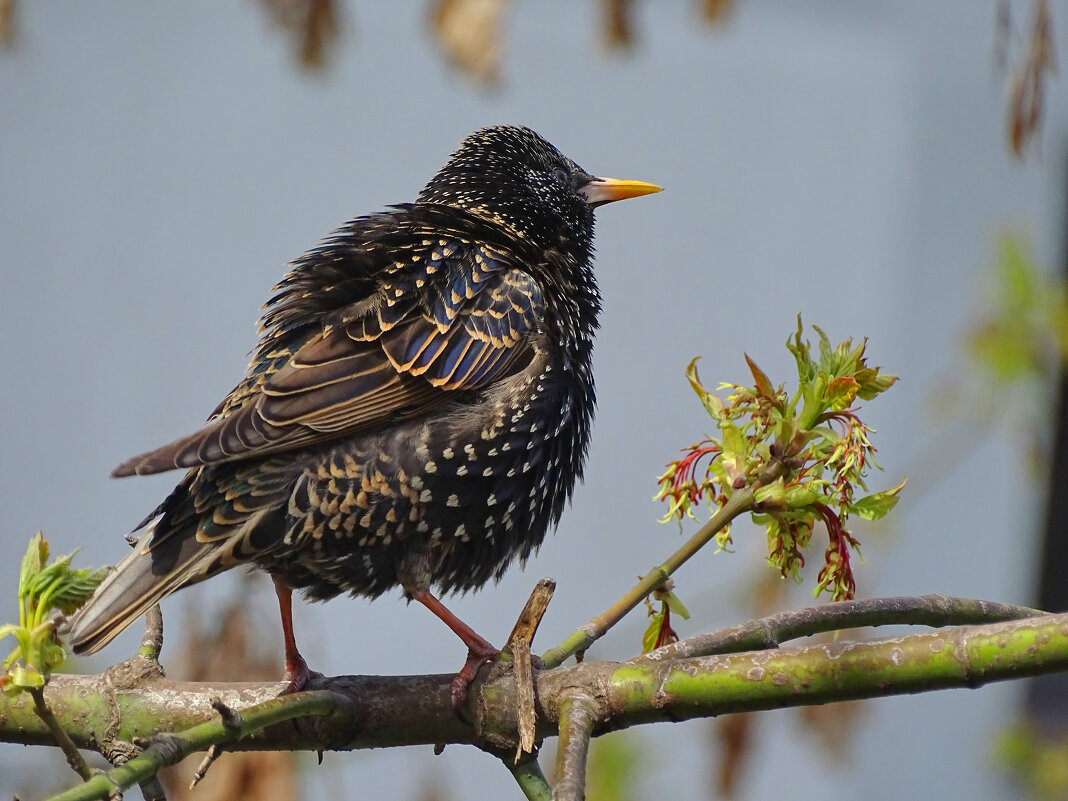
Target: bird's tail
(160,564)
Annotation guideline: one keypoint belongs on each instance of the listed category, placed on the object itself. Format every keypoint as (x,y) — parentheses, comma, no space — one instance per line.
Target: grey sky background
(160,164)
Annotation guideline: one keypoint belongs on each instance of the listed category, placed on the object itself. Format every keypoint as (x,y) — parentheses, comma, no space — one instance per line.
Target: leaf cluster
(817,443)
(43,588)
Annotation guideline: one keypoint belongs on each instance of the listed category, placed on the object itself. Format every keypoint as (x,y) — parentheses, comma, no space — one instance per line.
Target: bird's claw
(476,658)
(298,674)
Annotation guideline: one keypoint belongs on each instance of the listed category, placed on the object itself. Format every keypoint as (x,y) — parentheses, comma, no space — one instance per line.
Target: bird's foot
(477,655)
(298,674)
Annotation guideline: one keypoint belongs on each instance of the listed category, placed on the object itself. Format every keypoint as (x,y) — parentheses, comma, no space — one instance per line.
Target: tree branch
(530,779)
(169,749)
(66,745)
(370,711)
(578,713)
(772,631)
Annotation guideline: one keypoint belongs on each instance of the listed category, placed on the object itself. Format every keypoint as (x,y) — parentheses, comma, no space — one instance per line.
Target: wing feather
(396,355)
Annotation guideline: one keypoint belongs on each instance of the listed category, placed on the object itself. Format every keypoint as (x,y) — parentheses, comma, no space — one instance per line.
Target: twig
(518,646)
(582,638)
(530,779)
(152,642)
(152,790)
(577,716)
(202,769)
(234,723)
(171,748)
(770,632)
(231,719)
(70,750)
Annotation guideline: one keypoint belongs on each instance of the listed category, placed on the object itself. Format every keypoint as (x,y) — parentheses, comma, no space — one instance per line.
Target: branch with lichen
(588,698)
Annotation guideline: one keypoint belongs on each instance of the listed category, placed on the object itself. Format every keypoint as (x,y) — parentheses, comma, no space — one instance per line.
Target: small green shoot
(660,605)
(43,588)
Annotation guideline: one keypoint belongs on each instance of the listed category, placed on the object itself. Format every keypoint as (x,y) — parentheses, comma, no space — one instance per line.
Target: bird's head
(513,176)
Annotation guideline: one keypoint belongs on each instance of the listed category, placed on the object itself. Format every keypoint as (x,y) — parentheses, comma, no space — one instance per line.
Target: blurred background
(853,162)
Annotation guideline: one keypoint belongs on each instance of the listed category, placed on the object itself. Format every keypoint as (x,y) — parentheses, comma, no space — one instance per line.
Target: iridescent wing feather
(392,356)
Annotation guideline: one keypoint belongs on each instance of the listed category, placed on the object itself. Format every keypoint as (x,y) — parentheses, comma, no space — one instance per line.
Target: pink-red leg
(479,651)
(297,671)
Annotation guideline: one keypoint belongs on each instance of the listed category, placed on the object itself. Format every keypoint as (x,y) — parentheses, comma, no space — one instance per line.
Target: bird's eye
(562,175)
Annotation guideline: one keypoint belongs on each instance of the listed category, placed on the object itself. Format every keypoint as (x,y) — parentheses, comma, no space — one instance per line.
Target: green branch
(66,745)
(530,779)
(169,749)
(817,674)
(772,631)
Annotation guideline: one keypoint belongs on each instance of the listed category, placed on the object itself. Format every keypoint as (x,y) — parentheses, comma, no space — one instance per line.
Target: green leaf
(53,656)
(675,605)
(735,443)
(77,589)
(870,388)
(616,766)
(825,351)
(652,633)
(713,405)
(879,504)
(59,568)
(32,562)
(24,677)
(1018,274)
(762,382)
(801,496)
(841,392)
(771,496)
(800,350)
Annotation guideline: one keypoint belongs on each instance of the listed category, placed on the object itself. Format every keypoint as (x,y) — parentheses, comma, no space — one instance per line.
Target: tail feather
(156,568)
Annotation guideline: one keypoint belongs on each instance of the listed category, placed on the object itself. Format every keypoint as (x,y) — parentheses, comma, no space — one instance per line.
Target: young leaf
(32,562)
(841,392)
(652,632)
(675,605)
(878,504)
(762,383)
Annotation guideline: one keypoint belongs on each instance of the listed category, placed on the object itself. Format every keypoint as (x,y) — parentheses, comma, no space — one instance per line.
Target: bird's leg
(479,651)
(297,671)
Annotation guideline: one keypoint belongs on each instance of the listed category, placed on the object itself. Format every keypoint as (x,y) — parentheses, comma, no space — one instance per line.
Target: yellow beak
(608,190)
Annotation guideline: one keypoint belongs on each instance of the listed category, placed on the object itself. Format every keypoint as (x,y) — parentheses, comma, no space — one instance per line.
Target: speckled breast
(447,501)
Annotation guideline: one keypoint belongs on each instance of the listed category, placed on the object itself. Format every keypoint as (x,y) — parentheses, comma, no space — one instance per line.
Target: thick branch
(416,710)
(840,671)
(387,711)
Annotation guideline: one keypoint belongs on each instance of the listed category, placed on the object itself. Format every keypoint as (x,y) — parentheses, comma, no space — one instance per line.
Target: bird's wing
(441,326)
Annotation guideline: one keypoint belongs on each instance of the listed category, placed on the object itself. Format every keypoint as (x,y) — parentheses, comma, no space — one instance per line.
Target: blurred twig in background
(470,34)
(313,26)
(1028,75)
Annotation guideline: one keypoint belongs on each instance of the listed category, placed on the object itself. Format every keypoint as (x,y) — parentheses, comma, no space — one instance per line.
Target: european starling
(416,413)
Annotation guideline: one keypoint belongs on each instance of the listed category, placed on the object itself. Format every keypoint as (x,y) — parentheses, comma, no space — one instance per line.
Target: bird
(417,411)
